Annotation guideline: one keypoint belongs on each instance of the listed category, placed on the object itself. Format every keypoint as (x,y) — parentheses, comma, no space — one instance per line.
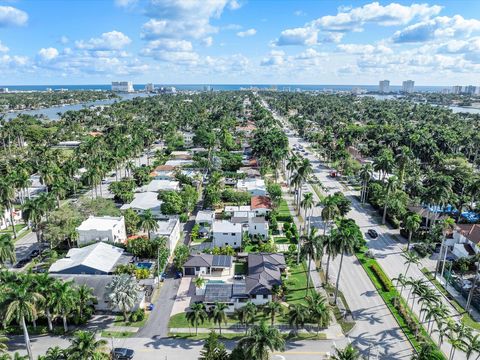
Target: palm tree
(63,300)
(123,293)
(412,223)
(297,315)
(22,305)
(271,309)
(434,312)
(426,352)
(448,224)
(410,258)
(148,222)
(3,346)
(213,349)
(389,189)
(32,212)
(348,353)
(331,250)
(311,248)
(196,315)
(473,346)
(329,212)
(199,282)
(260,341)
(307,204)
(85,297)
(246,314)
(320,310)
(44,284)
(458,336)
(218,315)
(7,198)
(54,353)
(366,173)
(346,236)
(7,250)
(84,345)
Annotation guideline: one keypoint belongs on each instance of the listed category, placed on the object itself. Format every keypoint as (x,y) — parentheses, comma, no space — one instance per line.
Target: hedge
(381,277)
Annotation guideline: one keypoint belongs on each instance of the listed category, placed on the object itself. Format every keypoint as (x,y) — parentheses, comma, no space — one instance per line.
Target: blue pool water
(216,281)
(144,265)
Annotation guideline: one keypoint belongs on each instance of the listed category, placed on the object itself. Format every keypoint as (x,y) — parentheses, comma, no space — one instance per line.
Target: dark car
(20,264)
(122,354)
(372,233)
(34,253)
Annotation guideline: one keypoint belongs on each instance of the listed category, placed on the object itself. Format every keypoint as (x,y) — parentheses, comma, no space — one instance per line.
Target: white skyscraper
(384,86)
(470,89)
(457,89)
(408,86)
(122,86)
(149,87)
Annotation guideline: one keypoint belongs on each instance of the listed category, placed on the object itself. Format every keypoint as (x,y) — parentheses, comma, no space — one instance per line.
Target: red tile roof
(470,231)
(165,168)
(260,202)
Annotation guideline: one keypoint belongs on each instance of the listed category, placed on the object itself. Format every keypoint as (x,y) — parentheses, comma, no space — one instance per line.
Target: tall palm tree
(307,204)
(473,346)
(32,212)
(63,300)
(458,336)
(320,310)
(218,315)
(271,309)
(54,353)
(448,224)
(366,173)
(436,312)
(412,223)
(123,293)
(84,298)
(7,250)
(148,222)
(44,284)
(310,250)
(426,352)
(196,315)
(331,250)
(22,305)
(330,211)
(246,314)
(213,349)
(348,353)
(84,346)
(297,315)
(409,259)
(260,341)
(7,198)
(390,187)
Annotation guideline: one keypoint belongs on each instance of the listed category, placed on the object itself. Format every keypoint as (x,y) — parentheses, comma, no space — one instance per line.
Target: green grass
(237,336)
(466,318)
(283,208)
(388,297)
(117,334)
(281,240)
(240,268)
(9,230)
(120,322)
(297,284)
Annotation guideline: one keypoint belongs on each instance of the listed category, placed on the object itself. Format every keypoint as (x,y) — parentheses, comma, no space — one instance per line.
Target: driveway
(184,295)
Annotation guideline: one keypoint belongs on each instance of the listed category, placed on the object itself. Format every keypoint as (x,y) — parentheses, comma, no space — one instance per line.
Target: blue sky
(239,41)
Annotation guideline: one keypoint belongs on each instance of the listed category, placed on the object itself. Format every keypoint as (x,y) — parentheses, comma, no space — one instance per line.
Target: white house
(5,218)
(170,229)
(230,210)
(254,186)
(178,162)
(188,139)
(205,217)
(227,233)
(261,205)
(146,201)
(104,228)
(160,185)
(466,238)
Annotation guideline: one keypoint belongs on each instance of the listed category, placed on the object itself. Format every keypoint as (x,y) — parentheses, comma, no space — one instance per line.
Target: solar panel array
(222,260)
(218,292)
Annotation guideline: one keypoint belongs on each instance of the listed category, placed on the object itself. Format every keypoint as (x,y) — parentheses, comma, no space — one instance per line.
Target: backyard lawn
(240,268)
(297,284)
(283,208)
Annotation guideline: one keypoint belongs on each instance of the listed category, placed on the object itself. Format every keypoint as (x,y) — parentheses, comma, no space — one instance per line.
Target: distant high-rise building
(122,86)
(408,86)
(457,89)
(149,87)
(384,86)
(207,88)
(3,90)
(470,89)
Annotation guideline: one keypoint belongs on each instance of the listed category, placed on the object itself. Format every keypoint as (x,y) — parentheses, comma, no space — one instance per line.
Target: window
(234,243)
(233,234)
(197,268)
(224,233)
(265,296)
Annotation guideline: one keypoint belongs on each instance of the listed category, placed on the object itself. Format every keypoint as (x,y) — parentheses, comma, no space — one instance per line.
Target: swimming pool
(144,265)
(216,282)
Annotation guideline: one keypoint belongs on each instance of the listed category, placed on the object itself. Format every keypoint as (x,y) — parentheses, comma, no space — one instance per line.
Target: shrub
(183,218)
(381,277)
(137,315)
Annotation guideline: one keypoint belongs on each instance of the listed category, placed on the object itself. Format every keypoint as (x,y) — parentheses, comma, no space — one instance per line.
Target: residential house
(205,217)
(103,228)
(258,226)
(146,201)
(261,205)
(230,210)
(207,264)
(163,172)
(188,139)
(227,233)
(254,186)
(181,155)
(95,259)
(177,163)
(160,185)
(466,238)
(170,229)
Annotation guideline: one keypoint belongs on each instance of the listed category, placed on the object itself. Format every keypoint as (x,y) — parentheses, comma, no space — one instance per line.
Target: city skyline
(239,42)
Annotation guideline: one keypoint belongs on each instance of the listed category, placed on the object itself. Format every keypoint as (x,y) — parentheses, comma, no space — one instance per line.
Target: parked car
(122,354)
(34,253)
(21,263)
(372,233)
(238,277)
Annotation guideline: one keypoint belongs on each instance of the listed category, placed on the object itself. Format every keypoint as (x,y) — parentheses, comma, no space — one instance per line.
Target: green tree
(218,315)
(297,315)
(272,309)
(123,293)
(180,256)
(148,223)
(412,223)
(196,316)
(7,250)
(260,341)
(84,346)
(348,353)
(213,349)
(64,300)
(320,310)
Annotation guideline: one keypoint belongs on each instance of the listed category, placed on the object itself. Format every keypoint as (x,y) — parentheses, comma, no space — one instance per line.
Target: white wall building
(188,139)
(122,86)
(258,226)
(255,186)
(408,86)
(149,87)
(160,185)
(146,201)
(384,86)
(171,230)
(105,228)
(227,233)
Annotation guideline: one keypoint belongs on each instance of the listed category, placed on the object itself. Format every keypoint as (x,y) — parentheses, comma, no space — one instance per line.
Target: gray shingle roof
(209,260)
(264,272)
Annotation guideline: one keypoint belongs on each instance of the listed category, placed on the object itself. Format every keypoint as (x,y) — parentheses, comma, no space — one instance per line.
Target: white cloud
(113,40)
(275,58)
(3,48)
(64,40)
(13,61)
(10,16)
(171,50)
(208,41)
(48,54)
(364,49)
(299,13)
(125,3)
(234,4)
(249,32)
(298,36)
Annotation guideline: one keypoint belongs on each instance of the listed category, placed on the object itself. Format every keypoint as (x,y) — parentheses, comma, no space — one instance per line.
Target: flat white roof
(205,215)
(237,208)
(226,226)
(178,162)
(100,256)
(100,223)
(144,201)
(161,185)
(166,227)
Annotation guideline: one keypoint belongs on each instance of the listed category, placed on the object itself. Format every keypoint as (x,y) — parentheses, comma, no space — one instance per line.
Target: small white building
(178,162)
(188,139)
(170,229)
(104,228)
(466,238)
(258,226)
(230,210)
(205,217)
(227,233)
(160,185)
(146,201)
(254,186)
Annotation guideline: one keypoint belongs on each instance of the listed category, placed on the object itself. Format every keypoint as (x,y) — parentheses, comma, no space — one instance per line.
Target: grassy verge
(317,190)
(297,284)
(344,324)
(389,298)
(466,318)
(120,322)
(283,208)
(281,240)
(240,268)
(117,334)
(237,336)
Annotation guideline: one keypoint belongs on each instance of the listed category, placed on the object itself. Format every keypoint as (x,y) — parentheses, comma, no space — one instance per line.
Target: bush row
(381,277)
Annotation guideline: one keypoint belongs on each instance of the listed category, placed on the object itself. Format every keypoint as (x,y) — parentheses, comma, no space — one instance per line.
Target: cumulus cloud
(249,32)
(275,58)
(3,48)
(48,54)
(208,41)
(298,36)
(171,50)
(10,16)
(360,49)
(438,27)
(113,40)
(125,3)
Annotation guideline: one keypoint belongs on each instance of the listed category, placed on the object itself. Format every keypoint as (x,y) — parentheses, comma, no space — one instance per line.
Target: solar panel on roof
(218,292)
(222,260)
